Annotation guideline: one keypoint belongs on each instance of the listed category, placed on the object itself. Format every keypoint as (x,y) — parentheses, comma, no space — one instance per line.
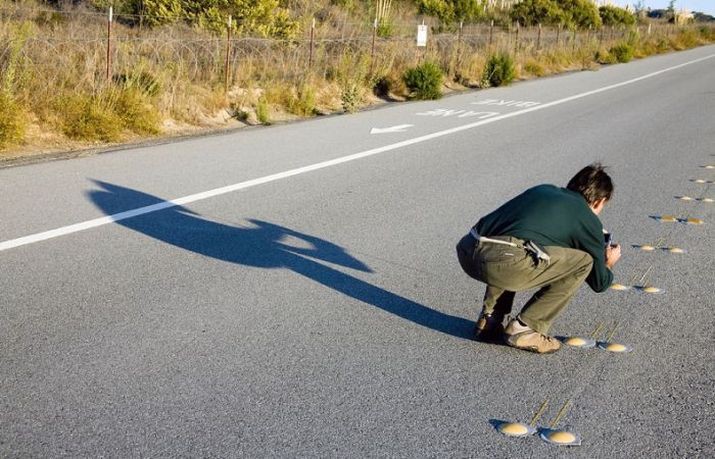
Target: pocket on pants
(504,267)
(497,254)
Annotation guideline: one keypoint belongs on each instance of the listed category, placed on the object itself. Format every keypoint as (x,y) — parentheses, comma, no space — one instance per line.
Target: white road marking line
(65,230)
(400,128)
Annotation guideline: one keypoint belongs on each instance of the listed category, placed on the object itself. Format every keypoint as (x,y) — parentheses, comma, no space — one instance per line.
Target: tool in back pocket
(537,252)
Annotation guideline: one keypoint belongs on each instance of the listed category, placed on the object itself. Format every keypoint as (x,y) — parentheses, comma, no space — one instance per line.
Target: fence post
(227,67)
(491,32)
(109,44)
(459,35)
(538,39)
(588,37)
(372,51)
(558,36)
(516,39)
(573,39)
(312,40)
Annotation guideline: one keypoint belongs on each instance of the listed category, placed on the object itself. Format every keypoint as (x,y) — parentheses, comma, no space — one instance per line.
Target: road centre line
(65,230)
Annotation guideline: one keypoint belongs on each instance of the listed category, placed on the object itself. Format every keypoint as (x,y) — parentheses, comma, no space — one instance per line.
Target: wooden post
(312,41)
(372,51)
(538,39)
(491,32)
(459,35)
(516,39)
(109,44)
(227,67)
(574,39)
(558,36)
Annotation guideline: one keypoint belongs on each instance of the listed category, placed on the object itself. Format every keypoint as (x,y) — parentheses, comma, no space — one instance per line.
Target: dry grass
(167,80)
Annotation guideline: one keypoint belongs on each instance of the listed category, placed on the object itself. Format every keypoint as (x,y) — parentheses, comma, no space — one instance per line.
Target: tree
(580,14)
(532,12)
(613,16)
(264,18)
(451,11)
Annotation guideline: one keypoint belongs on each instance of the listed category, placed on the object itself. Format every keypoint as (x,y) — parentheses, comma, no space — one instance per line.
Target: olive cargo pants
(507,270)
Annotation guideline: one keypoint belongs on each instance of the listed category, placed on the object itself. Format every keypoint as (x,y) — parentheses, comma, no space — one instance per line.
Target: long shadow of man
(264,246)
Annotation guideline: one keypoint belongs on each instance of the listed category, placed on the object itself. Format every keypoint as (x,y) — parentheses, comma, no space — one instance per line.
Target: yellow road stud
(560,437)
(615,347)
(577,341)
(515,429)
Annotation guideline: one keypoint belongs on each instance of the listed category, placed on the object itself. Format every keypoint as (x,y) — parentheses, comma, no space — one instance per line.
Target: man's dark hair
(592,183)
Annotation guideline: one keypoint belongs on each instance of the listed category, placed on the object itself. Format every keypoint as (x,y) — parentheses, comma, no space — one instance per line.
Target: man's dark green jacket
(549,215)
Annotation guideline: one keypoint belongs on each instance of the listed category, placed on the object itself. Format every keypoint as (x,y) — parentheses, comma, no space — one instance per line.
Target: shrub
(141,80)
(451,11)
(533,67)
(262,111)
(499,70)
(613,16)
(532,12)
(135,111)
(382,86)
(604,57)
(88,118)
(580,13)
(622,52)
(12,126)
(385,28)
(301,102)
(686,39)
(424,81)
(351,95)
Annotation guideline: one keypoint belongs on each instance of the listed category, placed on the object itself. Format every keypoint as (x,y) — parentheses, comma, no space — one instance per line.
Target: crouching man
(548,238)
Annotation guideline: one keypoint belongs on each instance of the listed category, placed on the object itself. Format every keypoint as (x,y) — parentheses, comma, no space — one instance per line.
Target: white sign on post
(421,35)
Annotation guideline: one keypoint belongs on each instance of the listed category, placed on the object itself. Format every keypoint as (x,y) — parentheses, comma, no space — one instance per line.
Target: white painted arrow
(400,128)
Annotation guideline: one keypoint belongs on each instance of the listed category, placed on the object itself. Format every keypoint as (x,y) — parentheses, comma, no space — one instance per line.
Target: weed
(351,96)
(604,57)
(262,111)
(499,70)
(141,80)
(533,67)
(622,52)
(89,118)
(12,123)
(136,111)
(302,100)
(424,81)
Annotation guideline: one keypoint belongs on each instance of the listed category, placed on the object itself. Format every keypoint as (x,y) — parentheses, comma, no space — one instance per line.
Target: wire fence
(98,46)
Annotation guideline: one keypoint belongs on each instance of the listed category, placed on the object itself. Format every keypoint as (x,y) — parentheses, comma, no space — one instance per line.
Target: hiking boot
(523,337)
(489,327)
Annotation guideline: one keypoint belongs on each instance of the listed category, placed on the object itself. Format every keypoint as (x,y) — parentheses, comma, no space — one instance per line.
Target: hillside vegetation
(164,67)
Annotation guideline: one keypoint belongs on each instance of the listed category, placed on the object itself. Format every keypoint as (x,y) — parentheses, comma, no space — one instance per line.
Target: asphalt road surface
(293,291)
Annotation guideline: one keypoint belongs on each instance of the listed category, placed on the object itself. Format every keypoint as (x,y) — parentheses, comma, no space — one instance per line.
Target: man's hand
(613,254)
